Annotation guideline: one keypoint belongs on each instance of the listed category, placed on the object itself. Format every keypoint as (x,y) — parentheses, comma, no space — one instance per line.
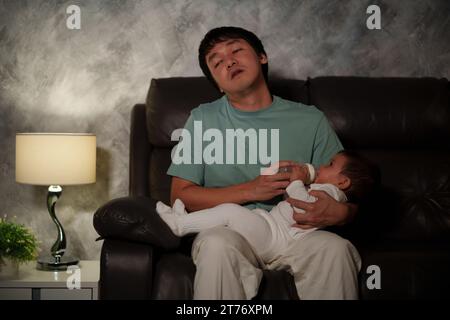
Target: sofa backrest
(402,124)
(387,113)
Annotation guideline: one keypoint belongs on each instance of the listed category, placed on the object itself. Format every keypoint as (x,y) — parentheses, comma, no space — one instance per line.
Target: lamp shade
(55,158)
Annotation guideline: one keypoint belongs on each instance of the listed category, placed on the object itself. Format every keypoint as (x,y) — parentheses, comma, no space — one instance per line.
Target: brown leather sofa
(402,124)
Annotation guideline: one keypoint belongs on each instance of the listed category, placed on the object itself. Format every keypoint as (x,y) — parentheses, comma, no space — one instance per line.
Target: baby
(348,177)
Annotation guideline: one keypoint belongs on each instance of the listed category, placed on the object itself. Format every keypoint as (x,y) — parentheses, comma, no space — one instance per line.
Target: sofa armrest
(126,270)
(134,219)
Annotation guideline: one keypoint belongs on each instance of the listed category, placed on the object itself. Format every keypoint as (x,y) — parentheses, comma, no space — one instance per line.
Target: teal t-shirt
(217,158)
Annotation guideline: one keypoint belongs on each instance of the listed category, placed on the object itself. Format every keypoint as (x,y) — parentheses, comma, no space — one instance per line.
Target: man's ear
(263,58)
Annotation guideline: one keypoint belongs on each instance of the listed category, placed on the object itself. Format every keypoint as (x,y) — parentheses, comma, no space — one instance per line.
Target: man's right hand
(266,187)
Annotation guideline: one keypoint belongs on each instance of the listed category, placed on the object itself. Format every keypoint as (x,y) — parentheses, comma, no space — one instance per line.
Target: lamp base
(49,263)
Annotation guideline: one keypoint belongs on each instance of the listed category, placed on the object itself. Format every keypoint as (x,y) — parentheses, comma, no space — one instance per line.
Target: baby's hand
(300,172)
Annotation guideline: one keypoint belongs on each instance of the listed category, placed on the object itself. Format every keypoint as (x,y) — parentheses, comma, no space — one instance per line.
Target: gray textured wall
(59,80)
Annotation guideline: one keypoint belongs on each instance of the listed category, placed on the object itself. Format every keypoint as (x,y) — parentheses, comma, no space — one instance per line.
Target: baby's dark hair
(222,34)
(364,176)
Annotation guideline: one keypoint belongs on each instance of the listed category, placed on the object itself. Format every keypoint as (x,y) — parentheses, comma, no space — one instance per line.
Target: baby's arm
(297,190)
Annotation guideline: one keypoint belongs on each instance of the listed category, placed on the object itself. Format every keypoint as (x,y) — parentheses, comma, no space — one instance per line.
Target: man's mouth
(236,72)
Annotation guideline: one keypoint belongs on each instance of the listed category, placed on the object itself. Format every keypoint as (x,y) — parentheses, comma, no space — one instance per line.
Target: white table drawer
(65,294)
(15,293)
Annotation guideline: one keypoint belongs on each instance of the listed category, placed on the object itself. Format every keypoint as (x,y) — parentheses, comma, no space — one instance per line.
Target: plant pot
(9,268)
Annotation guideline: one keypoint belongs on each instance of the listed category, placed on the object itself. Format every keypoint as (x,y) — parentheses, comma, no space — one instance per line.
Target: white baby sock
(162,208)
(167,215)
(179,208)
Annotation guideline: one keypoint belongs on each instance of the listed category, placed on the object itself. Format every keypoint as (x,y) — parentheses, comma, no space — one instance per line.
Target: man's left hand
(326,211)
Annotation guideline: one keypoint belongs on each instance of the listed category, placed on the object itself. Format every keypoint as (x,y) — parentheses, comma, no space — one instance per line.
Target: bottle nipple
(311,171)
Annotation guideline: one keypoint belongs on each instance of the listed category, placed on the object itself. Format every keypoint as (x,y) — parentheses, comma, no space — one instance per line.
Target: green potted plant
(17,244)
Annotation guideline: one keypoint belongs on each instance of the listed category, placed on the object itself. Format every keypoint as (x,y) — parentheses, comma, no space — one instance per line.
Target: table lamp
(54,160)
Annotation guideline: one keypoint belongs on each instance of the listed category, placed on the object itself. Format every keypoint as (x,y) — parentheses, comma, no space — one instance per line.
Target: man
(324,265)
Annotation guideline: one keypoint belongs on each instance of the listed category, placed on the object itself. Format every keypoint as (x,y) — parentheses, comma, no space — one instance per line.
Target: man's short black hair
(222,34)
(364,176)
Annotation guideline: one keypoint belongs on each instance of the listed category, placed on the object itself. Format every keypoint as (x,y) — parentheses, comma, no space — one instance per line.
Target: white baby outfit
(269,233)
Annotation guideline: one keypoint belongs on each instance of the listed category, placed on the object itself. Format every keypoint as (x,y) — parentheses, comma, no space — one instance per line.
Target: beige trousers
(324,266)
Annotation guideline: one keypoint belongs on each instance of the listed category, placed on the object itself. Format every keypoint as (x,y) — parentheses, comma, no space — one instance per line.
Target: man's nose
(231,62)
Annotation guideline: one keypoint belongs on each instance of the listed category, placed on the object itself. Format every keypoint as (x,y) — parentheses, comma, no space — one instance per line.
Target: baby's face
(331,172)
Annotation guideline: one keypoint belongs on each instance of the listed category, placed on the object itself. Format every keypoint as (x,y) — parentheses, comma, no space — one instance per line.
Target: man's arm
(196,197)
(326,211)
(263,187)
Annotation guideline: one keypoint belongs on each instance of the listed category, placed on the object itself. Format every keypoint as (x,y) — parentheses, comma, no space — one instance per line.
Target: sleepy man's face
(235,66)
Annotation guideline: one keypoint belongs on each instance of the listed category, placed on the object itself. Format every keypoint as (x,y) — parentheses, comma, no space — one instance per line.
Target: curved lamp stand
(57,260)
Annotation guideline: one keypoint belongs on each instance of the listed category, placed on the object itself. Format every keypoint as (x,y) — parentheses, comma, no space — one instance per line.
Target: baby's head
(351,173)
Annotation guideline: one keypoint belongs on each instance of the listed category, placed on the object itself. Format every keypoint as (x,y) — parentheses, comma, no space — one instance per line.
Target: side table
(33,284)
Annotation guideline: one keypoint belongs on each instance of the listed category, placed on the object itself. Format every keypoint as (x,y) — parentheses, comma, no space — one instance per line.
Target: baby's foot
(179,208)
(167,215)
(162,208)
